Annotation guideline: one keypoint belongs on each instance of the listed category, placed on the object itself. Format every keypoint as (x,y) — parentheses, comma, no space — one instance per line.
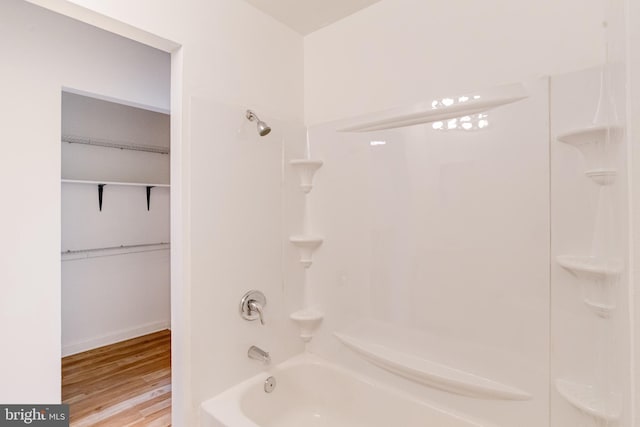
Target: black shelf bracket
(149,187)
(100,191)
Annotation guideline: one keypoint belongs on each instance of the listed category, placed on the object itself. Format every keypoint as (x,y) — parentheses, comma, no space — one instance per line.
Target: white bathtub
(311,392)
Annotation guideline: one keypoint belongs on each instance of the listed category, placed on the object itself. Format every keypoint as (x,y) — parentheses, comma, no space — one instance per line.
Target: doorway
(116,344)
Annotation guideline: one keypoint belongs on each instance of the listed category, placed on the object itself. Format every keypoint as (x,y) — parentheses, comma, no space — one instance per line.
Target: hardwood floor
(123,384)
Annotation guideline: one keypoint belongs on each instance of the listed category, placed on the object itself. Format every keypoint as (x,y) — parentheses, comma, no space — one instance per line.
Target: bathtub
(311,392)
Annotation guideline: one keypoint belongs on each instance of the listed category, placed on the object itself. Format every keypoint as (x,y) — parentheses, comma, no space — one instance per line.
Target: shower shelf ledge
(431,373)
(308,320)
(306,169)
(306,245)
(478,102)
(602,310)
(591,141)
(593,134)
(590,267)
(602,176)
(587,399)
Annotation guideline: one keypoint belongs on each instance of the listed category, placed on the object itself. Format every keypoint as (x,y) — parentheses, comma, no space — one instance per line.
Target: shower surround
(466,258)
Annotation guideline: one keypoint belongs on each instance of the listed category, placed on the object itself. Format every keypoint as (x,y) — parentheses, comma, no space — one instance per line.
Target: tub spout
(258,354)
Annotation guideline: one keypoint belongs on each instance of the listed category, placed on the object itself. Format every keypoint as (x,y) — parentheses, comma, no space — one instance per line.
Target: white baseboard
(114,337)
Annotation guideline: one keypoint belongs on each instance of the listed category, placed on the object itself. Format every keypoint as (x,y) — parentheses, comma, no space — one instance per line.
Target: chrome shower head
(263,128)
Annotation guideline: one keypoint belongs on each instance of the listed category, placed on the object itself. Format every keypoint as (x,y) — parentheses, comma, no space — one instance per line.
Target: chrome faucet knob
(252,306)
(255,306)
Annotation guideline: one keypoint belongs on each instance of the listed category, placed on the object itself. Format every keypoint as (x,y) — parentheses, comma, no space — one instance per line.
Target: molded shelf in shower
(590,135)
(586,398)
(306,169)
(602,176)
(431,373)
(601,309)
(592,143)
(306,245)
(308,320)
(438,110)
(590,267)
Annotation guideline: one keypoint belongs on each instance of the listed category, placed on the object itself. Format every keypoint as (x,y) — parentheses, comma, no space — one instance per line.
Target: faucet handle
(255,306)
(252,306)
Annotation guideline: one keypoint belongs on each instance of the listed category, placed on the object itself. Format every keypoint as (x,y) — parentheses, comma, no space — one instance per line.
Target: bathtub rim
(225,407)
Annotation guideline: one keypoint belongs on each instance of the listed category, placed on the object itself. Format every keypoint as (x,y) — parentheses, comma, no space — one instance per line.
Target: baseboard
(114,337)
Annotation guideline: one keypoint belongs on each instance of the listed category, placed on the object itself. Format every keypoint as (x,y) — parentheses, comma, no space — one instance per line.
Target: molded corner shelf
(604,407)
(602,310)
(590,267)
(591,142)
(597,275)
(431,373)
(593,134)
(602,176)
(308,320)
(307,245)
(306,169)
(458,106)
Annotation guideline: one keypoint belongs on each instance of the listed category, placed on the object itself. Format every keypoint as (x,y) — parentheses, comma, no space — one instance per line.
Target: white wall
(234,57)
(116,294)
(396,52)
(46,53)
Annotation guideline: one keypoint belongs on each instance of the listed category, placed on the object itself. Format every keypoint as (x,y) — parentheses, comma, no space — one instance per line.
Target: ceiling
(307,16)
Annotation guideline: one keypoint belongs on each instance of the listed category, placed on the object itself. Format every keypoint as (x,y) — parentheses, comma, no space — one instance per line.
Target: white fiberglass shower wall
(437,248)
(473,260)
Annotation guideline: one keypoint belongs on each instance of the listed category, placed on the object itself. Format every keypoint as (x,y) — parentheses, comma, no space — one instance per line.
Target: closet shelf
(308,320)
(431,373)
(438,110)
(77,254)
(586,398)
(132,184)
(121,145)
(590,267)
(101,185)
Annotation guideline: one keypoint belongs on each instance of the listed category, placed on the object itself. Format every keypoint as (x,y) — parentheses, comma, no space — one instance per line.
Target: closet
(115,222)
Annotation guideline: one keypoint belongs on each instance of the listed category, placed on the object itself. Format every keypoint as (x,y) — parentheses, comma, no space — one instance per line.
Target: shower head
(263,128)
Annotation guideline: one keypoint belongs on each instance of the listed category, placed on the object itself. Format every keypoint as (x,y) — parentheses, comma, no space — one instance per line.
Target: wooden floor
(123,384)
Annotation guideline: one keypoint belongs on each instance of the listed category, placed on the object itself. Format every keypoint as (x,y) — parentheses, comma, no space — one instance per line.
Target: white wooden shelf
(119,145)
(101,185)
(132,184)
(431,373)
(80,254)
